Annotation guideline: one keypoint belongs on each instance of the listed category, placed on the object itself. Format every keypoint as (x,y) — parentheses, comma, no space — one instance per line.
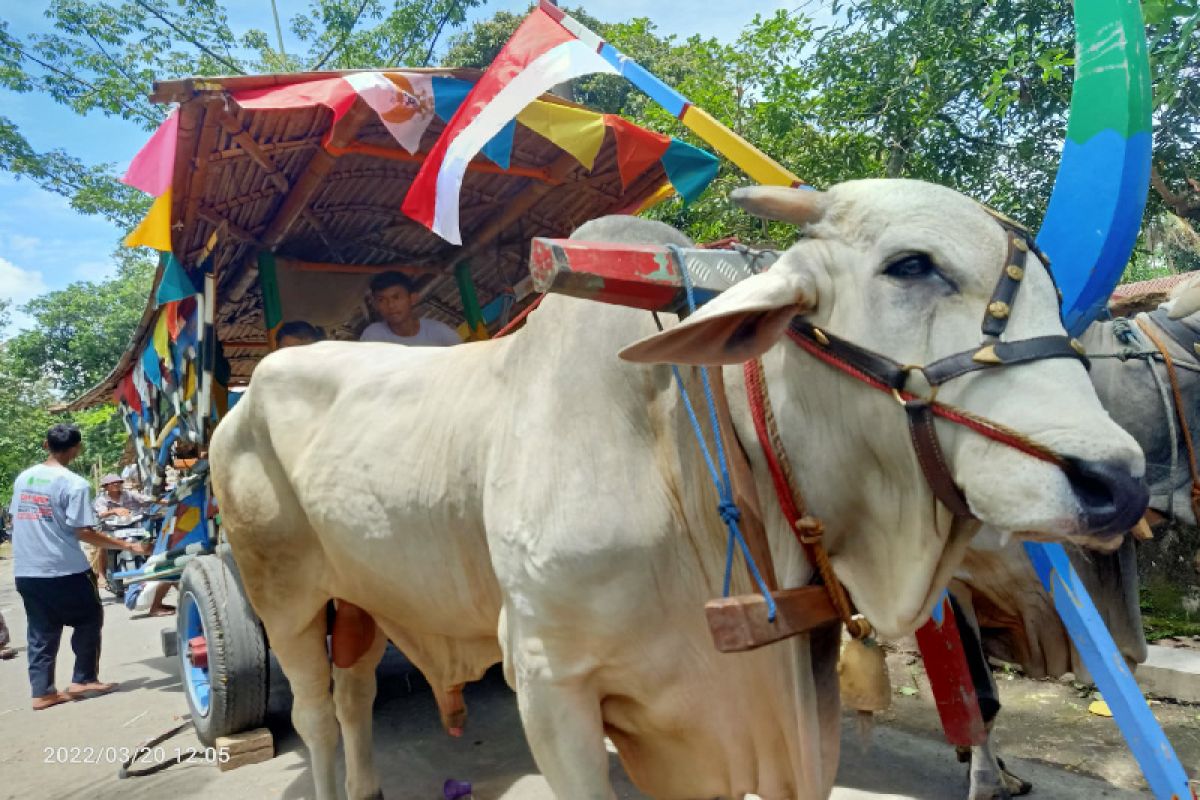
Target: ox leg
(563,725)
(305,661)
(353,697)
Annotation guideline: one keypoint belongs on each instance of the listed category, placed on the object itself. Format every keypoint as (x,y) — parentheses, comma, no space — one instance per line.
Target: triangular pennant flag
(689,169)
(539,55)
(129,393)
(162,337)
(448,95)
(175,320)
(578,131)
(150,366)
(175,283)
(637,148)
(189,381)
(154,166)
(155,228)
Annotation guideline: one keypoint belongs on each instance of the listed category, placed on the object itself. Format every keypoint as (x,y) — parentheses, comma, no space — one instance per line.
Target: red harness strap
(991,430)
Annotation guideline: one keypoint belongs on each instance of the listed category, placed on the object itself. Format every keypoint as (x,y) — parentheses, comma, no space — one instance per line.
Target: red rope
(984,428)
(515,321)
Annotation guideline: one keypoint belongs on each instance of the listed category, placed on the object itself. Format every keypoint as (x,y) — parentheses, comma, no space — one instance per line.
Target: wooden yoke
(740,622)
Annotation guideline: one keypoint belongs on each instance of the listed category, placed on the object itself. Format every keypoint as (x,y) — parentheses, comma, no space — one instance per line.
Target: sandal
(51,700)
(82,691)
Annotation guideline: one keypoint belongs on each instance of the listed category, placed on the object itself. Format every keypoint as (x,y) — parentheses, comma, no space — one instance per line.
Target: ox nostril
(1112,500)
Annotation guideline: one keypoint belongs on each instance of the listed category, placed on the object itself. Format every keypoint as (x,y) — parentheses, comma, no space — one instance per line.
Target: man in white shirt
(52,513)
(391,294)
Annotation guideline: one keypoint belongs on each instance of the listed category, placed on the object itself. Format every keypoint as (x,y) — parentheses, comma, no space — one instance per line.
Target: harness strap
(745,494)
(932,460)
(808,530)
(1180,412)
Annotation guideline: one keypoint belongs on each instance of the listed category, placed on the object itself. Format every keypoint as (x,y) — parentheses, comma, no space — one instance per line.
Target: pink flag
(152,168)
(541,54)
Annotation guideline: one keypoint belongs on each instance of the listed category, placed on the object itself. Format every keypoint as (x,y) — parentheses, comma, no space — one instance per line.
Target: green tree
(104,57)
(23,416)
(80,332)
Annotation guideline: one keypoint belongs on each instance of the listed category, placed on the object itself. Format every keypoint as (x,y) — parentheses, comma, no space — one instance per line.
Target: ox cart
(278,197)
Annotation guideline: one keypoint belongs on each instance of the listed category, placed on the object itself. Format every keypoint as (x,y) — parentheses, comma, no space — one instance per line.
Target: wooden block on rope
(638,276)
(243,749)
(740,623)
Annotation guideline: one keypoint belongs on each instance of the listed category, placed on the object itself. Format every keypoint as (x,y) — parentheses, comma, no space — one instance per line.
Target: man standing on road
(391,294)
(52,514)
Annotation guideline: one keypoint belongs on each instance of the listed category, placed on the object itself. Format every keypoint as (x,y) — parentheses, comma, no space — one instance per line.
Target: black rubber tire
(238,667)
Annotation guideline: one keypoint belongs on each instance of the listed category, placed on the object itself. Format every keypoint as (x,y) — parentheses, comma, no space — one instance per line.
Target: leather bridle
(992,353)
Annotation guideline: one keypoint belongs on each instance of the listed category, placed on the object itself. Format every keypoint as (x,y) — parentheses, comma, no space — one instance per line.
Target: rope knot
(810,530)
(729,511)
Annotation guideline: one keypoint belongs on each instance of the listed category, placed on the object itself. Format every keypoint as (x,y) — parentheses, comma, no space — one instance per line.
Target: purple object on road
(455,790)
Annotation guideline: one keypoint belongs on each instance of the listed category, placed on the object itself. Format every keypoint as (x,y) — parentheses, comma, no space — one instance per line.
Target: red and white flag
(540,55)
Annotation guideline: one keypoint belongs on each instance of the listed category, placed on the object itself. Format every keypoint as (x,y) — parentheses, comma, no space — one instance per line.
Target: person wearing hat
(114,500)
(52,514)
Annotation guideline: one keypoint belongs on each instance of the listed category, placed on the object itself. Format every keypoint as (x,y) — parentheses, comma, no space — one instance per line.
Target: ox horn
(783,203)
(1187,302)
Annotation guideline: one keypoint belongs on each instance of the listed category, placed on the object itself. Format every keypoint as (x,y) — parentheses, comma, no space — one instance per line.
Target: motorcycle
(129,529)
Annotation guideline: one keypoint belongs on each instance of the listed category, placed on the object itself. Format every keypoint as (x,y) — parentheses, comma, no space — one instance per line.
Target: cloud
(19,286)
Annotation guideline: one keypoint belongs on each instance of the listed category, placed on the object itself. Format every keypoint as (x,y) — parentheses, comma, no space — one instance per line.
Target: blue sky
(45,245)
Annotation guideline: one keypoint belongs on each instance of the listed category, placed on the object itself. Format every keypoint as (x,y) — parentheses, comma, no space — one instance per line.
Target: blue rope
(718,470)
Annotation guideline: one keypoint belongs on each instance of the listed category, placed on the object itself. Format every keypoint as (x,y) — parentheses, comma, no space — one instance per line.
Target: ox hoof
(1015,785)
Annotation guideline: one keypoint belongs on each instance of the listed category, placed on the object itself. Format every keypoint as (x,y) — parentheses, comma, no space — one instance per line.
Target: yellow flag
(576,130)
(189,382)
(155,228)
(162,336)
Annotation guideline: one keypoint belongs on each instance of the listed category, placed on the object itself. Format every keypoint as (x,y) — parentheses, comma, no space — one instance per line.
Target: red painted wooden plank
(638,276)
(950,678)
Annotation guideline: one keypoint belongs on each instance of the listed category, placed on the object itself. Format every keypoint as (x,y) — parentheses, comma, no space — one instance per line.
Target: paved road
(414,755)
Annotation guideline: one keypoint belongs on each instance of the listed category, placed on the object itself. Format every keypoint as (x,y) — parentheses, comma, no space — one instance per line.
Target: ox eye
(911,267)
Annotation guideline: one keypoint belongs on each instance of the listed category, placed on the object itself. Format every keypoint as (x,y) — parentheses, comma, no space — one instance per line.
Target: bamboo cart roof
(283,181)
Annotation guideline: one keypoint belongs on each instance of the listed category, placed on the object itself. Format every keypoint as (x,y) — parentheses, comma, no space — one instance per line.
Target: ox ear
(742,323)
(1187,303)
(783,203)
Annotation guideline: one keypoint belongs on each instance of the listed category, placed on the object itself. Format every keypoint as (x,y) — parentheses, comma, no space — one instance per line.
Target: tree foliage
(104,57)
(80,332)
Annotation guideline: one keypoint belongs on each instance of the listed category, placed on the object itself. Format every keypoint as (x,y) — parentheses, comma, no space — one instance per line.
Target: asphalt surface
(69,751)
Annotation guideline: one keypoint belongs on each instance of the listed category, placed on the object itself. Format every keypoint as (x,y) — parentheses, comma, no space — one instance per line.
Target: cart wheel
(222,651)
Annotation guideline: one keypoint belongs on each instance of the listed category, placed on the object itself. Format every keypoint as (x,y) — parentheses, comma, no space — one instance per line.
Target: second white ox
(538,500)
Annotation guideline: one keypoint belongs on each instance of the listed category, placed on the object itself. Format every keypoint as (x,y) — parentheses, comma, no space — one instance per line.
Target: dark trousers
(50,604)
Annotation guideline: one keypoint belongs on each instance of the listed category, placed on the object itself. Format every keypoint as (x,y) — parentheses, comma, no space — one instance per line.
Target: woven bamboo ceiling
(283,181)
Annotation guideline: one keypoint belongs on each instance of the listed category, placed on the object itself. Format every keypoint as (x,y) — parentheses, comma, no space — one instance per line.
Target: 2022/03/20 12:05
(145,755)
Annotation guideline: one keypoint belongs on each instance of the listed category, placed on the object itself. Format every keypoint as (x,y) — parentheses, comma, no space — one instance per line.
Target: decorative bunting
(175,283)
(637,148)
(540,55)
(448,95)
(162,337)
(155,228)
(152,169)
(150,366)
(689,169)
(578,131)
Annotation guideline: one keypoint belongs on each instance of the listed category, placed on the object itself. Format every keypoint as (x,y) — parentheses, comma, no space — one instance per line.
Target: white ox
(537,500)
